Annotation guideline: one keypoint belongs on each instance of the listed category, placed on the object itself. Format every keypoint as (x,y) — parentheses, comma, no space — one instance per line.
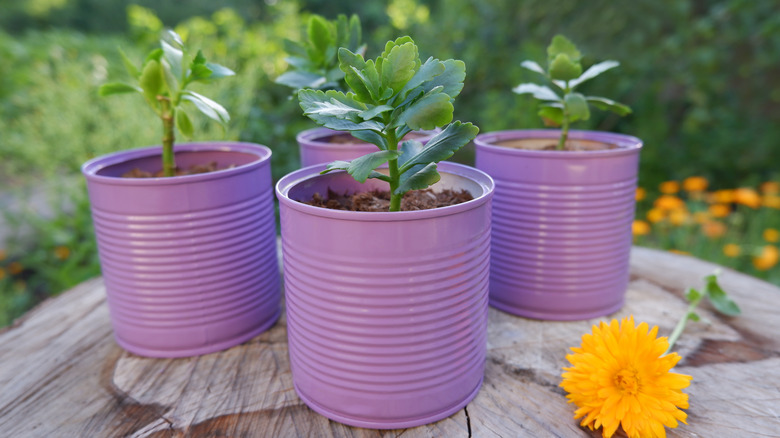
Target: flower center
(627,381)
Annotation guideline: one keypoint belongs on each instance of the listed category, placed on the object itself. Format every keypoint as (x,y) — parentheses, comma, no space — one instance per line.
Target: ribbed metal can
(386,312)
(561,223)
(189,262)
(316,145)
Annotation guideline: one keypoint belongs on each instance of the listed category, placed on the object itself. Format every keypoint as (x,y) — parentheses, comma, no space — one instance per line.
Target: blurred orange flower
(731,250)
(770,187)
(2,273)
(719,210)
(669,187)
(15,268)
(655,215)
(640,228)
(767,259)
(61,252)
(669,202)
(640,194)
(701,217)
(713,229)
(747,196)
(695,184)
(723,196)
(678,217)
(771,201)
(677,251)
(3,254)
(771,235)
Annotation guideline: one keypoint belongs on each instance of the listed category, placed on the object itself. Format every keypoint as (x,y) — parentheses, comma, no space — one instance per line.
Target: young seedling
(564,71)
(314,61)
(713,292)
(162,81)
(390,97)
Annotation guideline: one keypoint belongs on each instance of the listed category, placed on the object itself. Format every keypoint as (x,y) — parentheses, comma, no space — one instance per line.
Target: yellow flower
(719,210)
(15,268)
(746,196)
(771,235)
(669,202)
(640,194)
(669,187)
(723,196)
(678,217)
(695,184)
(767,259)
(61,252)
(713,229)
(621,377)
(770,187)
(640,228)
(2,273)
(771,201)
(677,251)
(732,250)
(655,215)
(701,217)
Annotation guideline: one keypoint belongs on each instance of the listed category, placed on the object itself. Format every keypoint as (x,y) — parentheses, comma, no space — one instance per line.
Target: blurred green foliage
(703,79)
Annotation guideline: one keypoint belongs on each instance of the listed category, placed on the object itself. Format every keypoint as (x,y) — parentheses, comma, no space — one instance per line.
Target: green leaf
(375,111)
(129,66)
(117,88)
(170,79)
(419,178)
(693,316)
(300,79)
(692,295)
(563,68)
(319,32)
(430,112)
(151,81)
(352,64)
(540,92)
(443,145)
(316,105)
(531,65)
(199,72)
(199,59)
(208,107)
(398,42)
(155,55)
(219,71)
(409,149)
(174,37)
(184,123)
(294,48)
(577,107)
(361,168)
(609,105)
(369,81)
(336,165)
(429,70)
(593,71)
(174,57)
(552,115)
(355,33)
(372,137)
(451,79)
(398,66)
(718,297)
(561,45)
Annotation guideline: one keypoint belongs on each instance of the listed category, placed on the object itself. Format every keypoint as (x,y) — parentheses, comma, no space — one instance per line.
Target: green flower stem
(678,329)
(564,132)
(169,165)
(395,176)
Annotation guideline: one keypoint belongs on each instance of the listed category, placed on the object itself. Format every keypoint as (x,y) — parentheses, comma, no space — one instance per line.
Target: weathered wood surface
(62,375)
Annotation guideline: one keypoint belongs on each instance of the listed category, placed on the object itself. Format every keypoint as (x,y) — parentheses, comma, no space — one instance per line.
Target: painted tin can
(561,223)
(386,312)
(189,262)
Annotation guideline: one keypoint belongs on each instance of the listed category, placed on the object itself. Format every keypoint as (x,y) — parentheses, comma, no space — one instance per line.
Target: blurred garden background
(702,77)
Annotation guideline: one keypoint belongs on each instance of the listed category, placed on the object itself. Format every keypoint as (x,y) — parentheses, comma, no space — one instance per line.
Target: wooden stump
(62,374)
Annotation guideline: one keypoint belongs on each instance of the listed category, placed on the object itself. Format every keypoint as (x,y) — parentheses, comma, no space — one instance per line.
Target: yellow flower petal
(669,187)
(695,184)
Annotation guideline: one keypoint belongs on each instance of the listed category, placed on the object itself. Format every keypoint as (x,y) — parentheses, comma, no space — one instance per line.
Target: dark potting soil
(349,139)
(192,170)
(379,200)
(572,145)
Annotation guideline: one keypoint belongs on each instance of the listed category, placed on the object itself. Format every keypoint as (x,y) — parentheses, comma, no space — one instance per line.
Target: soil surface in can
(546,144)
(379,200)
(192,170)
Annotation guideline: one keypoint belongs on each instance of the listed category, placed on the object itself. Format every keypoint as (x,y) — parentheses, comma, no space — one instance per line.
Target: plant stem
(395,200)
(678,329)
(169,165)
(565,122)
